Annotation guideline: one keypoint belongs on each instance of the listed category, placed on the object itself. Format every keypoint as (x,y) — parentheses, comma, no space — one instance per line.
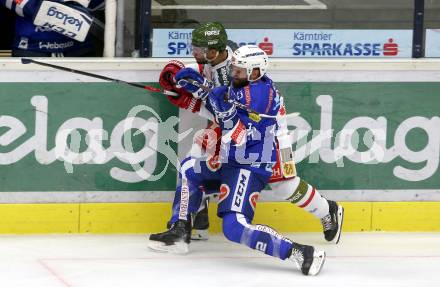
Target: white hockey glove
(73,22)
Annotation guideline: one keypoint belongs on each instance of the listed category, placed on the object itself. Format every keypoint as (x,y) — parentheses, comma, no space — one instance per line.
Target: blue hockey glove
(223,110)
(188,73)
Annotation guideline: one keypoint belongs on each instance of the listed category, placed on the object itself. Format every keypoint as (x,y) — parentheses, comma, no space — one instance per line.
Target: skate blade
(318,262)
(176,248)
(200,234)
(340,221)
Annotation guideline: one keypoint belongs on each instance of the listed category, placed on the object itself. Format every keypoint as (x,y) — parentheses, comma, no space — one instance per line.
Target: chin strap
(211,60)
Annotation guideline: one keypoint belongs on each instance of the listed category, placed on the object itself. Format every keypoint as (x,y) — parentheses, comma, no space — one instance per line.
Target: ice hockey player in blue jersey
(53,27)
(247,155)
(213,57)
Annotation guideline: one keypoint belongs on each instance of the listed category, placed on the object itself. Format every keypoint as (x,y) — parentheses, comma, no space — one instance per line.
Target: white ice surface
(361,259)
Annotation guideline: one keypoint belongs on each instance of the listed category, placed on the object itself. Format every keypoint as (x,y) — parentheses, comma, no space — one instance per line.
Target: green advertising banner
(366,135)
(107,137)
(85,137)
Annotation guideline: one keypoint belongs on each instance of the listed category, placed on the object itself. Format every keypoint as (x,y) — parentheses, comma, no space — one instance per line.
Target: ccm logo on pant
(240,190)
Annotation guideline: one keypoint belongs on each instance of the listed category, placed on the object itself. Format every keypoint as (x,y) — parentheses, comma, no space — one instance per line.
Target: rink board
(388,108)
(41,192)
(101,218)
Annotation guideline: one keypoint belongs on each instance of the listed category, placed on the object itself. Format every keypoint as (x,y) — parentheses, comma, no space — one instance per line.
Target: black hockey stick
(70,70)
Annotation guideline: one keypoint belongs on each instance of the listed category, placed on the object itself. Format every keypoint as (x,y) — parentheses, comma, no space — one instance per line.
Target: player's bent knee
(187,168)
(232,228)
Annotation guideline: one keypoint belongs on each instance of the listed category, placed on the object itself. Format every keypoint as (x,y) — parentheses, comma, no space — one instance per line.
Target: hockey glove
(185,100)
(166,77)
(224,111)
(233,128)
(188,73)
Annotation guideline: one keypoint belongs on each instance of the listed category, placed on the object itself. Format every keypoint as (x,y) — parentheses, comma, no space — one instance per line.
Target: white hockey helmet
(250,57)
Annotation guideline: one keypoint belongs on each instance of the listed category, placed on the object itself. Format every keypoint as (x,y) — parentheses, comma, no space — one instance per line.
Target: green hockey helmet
(210,35)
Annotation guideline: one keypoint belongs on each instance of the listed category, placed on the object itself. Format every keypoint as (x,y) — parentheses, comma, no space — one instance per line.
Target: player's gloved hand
(166,77)
(226,113)
(223,110)
(188,73)
(185,100)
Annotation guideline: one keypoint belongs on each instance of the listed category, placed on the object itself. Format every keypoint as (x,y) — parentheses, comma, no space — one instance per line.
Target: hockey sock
(188,197)
(308,198)
(236,228)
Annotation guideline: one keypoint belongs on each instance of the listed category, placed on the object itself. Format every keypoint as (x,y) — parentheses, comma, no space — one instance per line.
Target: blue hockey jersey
(251,141)
(38,39)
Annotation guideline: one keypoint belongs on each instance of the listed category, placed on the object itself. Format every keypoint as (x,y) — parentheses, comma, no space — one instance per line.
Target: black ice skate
(175,240)
(307,259)
(201,223)
(332,223)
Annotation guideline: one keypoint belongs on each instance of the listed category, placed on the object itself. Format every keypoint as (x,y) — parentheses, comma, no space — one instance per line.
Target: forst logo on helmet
(212,33)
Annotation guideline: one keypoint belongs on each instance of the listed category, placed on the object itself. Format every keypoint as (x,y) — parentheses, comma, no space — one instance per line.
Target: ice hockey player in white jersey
(213,61)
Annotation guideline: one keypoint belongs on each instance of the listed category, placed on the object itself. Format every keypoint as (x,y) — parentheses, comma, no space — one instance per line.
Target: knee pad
(233,226)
